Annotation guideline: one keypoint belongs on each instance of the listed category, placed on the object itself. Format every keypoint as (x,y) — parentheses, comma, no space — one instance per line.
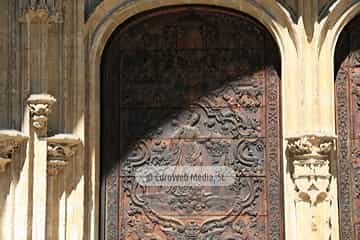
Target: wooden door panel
(191,86)
(348,128)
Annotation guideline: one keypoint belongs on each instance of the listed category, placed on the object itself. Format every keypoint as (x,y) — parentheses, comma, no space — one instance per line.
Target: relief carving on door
(191,86)
(347,64)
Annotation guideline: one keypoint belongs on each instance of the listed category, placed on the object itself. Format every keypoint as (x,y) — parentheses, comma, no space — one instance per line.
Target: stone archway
(200,84)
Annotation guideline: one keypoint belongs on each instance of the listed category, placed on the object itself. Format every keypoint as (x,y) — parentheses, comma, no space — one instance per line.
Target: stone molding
(61,148)
(10,141)
(40,106)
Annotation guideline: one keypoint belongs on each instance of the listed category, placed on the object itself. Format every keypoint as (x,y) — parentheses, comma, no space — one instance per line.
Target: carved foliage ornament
(61,148)
(40,107)
(10,140)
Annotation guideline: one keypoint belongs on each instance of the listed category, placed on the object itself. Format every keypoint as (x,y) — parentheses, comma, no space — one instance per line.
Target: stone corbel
(61,148)
(310,158)
(10,141)
(40,106)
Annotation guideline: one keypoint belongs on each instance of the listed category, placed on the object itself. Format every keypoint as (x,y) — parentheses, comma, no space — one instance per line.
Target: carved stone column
(311,158)
(9,143)
(39,109)
(61,148)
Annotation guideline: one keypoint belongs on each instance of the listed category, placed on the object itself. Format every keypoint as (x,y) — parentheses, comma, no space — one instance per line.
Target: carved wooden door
(347,65)
(191,86)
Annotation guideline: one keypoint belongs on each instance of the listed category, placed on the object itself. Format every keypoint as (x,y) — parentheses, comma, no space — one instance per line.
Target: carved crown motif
(311,146)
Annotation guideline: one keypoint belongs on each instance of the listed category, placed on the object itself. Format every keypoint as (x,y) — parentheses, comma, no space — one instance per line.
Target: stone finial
(60,149)
(40,107)
(9,143)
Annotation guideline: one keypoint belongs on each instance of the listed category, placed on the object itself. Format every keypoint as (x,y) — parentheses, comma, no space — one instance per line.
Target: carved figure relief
(191,86)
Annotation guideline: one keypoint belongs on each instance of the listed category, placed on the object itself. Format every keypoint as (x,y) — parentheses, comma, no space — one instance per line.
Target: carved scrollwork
(248,155)
(214,104)
(10,141)
(356,182)
(60,149)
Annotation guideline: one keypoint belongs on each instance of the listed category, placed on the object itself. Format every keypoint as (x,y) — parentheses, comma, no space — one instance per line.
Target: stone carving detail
(215,103)
(310,158)
(40,107)
(248,155)
(348,127)
(10,141)
(61,148)
(41,11)
(345,202)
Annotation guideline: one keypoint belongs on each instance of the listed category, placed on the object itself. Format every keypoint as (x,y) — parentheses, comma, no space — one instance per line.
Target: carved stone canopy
(9,143)
(40,107)
(61,148)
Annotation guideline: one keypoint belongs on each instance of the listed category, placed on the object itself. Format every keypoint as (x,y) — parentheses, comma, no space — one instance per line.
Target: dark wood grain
(191,86)
(347,62)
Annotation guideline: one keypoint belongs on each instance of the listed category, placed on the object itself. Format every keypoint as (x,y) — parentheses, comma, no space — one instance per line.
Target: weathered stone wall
(50,184)
(4,63)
